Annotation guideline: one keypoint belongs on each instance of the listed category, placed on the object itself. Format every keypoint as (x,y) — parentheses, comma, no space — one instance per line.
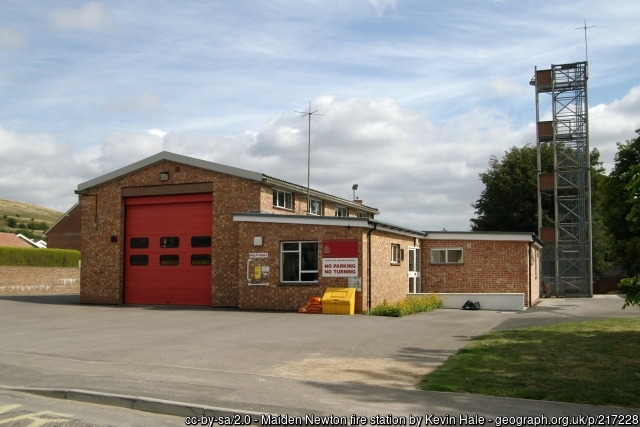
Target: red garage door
(168,250)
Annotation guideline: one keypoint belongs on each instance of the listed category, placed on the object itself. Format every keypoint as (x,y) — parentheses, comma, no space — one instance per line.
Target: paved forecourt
(272,362)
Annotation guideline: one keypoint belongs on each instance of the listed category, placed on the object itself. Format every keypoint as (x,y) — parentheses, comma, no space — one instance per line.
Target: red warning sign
(340,248)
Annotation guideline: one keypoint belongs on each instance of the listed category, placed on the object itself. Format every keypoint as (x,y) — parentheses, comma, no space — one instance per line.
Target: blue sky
(416,95)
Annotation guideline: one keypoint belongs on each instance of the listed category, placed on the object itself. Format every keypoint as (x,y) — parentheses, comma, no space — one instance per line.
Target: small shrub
(21,225)
(11,222)
(406,306)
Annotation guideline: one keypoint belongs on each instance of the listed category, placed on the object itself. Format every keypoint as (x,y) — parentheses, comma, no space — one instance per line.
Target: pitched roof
(165,155)
(61,218)
(217,167)
(10,239)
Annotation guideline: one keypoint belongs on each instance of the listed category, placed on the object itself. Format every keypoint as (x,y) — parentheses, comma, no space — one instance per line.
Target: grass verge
(406,306)
(595,362)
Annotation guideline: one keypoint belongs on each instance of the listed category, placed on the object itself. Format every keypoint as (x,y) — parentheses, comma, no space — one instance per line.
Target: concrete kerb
(144,404)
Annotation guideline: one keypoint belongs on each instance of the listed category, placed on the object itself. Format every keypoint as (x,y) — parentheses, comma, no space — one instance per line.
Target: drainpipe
(529,262)
(371,230)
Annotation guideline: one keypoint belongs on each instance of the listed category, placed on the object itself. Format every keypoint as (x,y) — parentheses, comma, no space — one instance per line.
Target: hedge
(32,257)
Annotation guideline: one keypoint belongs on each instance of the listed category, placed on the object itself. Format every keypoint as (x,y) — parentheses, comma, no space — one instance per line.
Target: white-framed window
(282,199)
(299,262)
(315,207)
(395,254)
(341,211)
(362,215)
(446,256)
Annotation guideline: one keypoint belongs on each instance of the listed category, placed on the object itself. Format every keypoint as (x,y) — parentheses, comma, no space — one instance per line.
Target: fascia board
(396,231)
(303,219)
(507,237)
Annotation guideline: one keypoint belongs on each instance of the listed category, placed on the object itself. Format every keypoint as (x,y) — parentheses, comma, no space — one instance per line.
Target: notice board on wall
(340,258)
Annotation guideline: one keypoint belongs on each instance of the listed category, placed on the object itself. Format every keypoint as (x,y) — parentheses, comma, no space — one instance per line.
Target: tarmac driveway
(263,361)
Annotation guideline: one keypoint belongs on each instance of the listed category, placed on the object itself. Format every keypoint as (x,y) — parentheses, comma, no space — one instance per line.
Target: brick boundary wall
(39,280)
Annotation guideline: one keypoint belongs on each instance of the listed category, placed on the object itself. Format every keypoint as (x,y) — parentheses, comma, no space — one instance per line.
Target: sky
(415,95)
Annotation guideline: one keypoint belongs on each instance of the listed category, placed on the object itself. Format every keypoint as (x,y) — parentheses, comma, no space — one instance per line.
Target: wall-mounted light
(164,176)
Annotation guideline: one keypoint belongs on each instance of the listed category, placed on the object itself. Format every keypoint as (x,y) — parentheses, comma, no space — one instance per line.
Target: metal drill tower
(567,254)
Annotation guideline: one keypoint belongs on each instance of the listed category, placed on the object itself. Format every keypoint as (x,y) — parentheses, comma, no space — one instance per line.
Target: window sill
(395,264)
(299,284)
(283,209)
(446,263)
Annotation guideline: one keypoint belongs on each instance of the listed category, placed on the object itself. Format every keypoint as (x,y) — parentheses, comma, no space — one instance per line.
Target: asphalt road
(285,363)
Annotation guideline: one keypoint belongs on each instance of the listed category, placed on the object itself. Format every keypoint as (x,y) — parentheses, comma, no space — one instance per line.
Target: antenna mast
(309,113)
(586,51)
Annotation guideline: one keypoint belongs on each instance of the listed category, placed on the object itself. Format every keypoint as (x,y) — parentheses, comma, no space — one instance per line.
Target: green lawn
(595,362)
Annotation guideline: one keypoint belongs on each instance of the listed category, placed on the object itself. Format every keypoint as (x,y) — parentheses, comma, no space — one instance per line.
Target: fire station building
(174,230)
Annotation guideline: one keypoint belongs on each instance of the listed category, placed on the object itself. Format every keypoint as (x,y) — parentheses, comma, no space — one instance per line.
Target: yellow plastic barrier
(339,301)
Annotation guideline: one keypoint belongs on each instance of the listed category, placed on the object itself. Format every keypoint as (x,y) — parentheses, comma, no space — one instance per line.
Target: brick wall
(488,266)
(290,297)
(390,281)
(38,280)
(66,233)
(102,267)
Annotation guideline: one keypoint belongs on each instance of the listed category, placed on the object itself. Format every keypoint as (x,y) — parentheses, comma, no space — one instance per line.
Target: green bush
(32,257)
(11,222)
(406,306)
(631,287)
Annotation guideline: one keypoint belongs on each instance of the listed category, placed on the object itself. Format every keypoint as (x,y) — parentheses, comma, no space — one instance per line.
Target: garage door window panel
(200,259)
(169,242)
(169,260)
(201,242)
(139,243)
(139,260)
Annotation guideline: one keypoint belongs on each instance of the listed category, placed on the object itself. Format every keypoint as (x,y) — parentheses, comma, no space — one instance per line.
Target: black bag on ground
(469,305)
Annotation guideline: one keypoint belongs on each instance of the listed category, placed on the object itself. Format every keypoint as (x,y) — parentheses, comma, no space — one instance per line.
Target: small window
(341,211)
(138,260)
(315,207)
(395,254)
(200,259)
(169,259)
(299,262)
(282,199)
(139,242)
(362,215)
(446,256)
(201,242)
(169,242)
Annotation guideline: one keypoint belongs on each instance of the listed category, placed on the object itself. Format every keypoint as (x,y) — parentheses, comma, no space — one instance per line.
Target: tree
(11,222)
(509,201)
(621,201)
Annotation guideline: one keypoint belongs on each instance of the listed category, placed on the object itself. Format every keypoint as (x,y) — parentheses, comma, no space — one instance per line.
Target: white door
(414,270)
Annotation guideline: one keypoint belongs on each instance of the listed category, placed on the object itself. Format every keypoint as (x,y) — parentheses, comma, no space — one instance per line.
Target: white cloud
(146,101)
(381,5)
(418,174)
(504,88)
(614,122)
(90,17)
(157,132)
(11,39)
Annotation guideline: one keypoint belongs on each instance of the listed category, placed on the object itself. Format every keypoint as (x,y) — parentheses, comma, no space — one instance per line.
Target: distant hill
(30,220)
